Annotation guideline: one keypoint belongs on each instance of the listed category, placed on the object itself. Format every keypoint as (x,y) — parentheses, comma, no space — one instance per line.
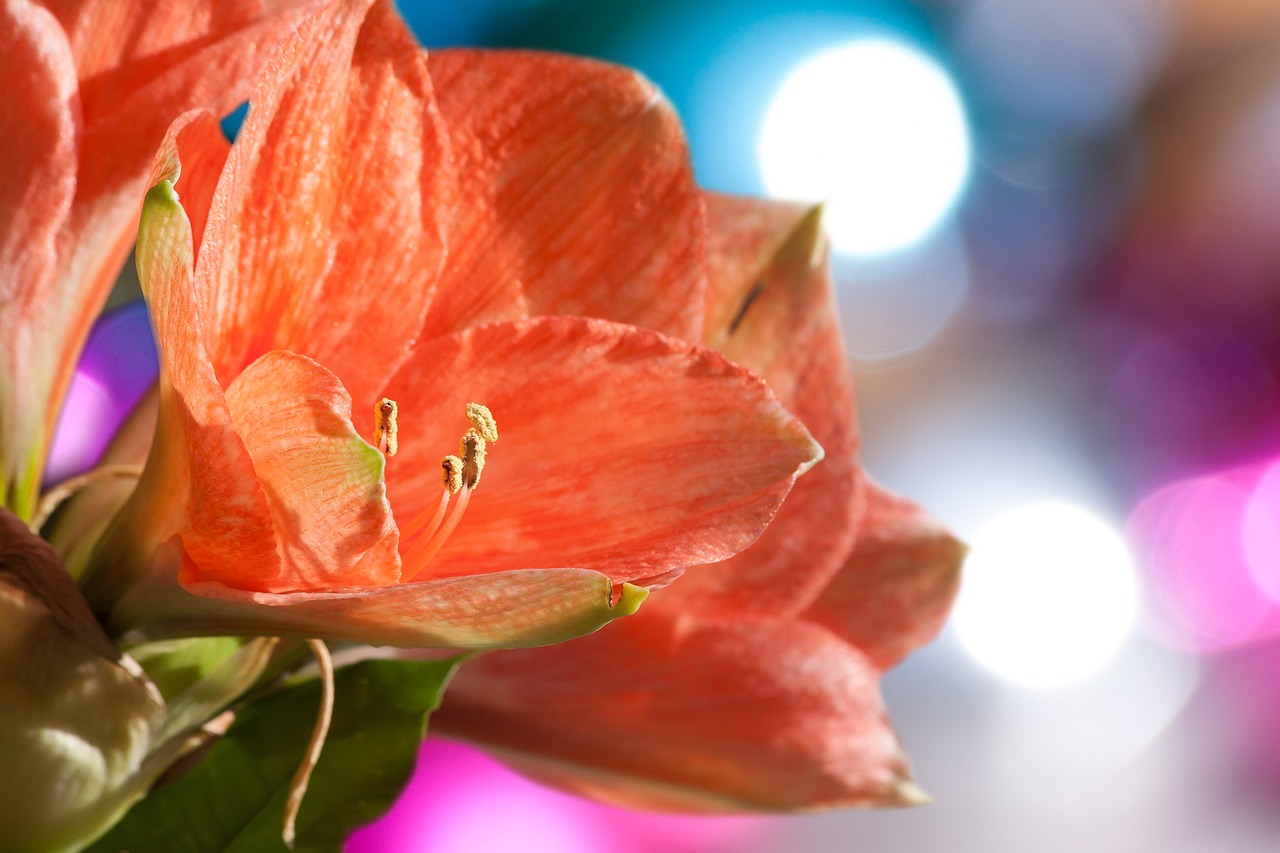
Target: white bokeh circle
(876,129)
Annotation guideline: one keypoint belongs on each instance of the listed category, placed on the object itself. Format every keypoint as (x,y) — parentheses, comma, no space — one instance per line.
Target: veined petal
(784,327)
(323,482)
(39,123)
(580,195)
(622,450)
(326,234)
(894,593)
(161,36)
(749,714)
(141,64)
(199,481)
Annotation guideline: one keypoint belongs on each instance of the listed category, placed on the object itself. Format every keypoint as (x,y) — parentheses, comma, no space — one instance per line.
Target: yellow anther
(451,470)
(482,419)
(384,419)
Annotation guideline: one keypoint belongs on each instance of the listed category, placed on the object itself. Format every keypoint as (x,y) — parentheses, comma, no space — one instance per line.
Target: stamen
(421,540)
(385,429)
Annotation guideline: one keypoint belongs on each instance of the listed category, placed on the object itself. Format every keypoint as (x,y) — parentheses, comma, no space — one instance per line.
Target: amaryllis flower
(90,86)
(750,684)
(433,256)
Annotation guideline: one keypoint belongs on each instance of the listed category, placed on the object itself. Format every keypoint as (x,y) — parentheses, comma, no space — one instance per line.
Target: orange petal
(784,327)
(200,480)
(621,449)
(894,593)
(141,64)
(40,126)
(680,714)
(176,56)
(322,481)
(326,233)
(192,157)
(580,196)
(501,610)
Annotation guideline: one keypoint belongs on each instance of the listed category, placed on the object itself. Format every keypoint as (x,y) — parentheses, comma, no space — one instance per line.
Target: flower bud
(78,717)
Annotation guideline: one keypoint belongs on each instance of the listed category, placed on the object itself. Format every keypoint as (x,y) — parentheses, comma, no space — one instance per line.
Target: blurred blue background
(1059,278)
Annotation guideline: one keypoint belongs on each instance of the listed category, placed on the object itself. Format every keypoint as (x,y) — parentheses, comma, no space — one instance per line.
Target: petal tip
(816,454)
(630,597)
(162,195)
(905,792)
(806,245)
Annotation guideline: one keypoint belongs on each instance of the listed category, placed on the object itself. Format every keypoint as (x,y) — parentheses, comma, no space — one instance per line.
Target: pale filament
(420,528)
(423,549)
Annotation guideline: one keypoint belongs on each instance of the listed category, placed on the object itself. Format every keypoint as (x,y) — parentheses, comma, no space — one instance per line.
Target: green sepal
(234,799)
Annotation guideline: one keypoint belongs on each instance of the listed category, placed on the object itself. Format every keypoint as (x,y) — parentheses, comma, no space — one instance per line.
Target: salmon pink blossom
(427,238)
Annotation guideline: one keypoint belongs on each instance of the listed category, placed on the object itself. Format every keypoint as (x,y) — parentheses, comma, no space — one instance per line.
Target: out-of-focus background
(1059,272)
(1058,225)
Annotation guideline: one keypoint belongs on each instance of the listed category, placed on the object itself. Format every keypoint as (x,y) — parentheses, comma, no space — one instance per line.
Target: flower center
(422,537)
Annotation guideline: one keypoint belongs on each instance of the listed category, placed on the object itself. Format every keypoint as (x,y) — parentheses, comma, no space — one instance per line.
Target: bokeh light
(1049,595)
(1261,533)
(1076,65)
(875,128)
(1187,536)
(461,801)
(79,440)
(1100,724)
(894,305)
(117,367)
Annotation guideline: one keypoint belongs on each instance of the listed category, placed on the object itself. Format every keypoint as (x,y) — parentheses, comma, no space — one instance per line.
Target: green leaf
(175,665)
(234,799)
(223,685)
